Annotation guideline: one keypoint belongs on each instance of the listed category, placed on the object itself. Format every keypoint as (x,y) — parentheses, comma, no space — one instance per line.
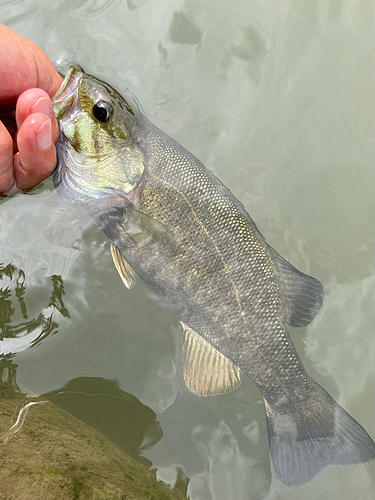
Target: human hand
(28,127)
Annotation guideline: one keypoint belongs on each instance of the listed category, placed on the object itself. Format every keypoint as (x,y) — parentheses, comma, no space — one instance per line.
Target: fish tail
(307,437)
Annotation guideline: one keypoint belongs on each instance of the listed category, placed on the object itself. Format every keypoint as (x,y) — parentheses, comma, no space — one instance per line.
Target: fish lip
(64,97)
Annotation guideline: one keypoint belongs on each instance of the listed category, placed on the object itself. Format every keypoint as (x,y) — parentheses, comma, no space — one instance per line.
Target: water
(277,99)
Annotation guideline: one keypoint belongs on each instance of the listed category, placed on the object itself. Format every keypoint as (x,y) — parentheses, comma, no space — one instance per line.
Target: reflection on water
(276,98)
(230,473)
(16,336)
(8,370)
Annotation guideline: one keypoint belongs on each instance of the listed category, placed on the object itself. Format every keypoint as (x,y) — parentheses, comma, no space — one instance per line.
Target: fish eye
(102,111)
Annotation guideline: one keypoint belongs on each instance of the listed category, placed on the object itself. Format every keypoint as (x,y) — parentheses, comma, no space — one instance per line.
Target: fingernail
(42,105)
(44,135)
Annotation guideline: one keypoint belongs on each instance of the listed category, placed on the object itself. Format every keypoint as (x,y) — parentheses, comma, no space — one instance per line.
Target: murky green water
(277,99)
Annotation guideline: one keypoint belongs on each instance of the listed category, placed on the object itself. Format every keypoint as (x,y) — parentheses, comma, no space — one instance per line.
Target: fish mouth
(65,96)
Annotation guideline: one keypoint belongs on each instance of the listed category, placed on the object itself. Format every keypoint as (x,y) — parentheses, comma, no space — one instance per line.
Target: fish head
(98,150)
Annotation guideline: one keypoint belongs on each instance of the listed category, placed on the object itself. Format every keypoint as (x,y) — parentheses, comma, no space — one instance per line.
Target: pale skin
(28,127)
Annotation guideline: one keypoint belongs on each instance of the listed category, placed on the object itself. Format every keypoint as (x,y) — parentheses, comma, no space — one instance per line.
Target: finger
(23,66)
(6,158)
(36,101)
(36,159)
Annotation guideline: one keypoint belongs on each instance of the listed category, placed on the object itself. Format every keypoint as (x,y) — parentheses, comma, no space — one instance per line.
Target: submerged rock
(47,453)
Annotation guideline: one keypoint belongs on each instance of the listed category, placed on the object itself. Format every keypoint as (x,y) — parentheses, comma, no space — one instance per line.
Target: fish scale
(220,233)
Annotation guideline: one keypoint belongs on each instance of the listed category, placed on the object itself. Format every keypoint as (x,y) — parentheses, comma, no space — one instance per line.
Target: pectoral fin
(206,371)
(145,231)
(123,267)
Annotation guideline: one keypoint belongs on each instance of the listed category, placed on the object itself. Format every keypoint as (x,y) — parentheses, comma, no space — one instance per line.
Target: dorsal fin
(207,372)
(123,267)
(303,294)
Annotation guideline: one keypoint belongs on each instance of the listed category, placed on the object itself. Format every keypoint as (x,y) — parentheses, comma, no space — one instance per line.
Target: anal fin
(123,267)
(207,372)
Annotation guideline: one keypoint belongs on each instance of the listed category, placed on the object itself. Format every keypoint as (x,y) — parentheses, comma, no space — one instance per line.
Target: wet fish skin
(174,224)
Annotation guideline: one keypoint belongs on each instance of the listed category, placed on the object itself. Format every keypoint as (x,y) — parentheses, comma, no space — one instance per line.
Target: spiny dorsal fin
(303,294)
(123,267)
(206,371)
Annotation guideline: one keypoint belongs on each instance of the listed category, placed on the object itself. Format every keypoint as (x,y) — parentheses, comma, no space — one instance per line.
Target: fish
(172,223)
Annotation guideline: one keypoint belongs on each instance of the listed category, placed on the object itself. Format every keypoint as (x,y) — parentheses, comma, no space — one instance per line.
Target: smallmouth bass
(175,225)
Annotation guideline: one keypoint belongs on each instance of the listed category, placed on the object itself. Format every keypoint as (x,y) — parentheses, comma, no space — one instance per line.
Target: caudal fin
(305,439)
